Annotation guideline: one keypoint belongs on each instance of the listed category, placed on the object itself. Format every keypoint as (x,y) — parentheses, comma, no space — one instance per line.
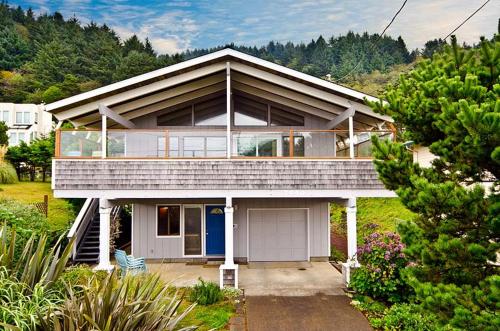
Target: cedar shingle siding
(214,174)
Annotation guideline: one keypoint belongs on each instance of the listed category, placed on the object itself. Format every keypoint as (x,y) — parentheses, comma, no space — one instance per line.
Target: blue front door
(215,240)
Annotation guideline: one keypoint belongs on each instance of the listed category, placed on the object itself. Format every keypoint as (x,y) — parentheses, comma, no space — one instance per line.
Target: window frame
(6,121)
(181,217)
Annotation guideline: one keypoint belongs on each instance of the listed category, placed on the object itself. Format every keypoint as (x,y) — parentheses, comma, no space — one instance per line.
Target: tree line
(45,58)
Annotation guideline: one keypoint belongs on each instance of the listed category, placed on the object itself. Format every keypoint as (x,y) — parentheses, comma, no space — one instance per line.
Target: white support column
(228,109)
(104,137)
(352,245)
(352,238)
(229,213)
(351,137)
(104,229)
(229,244)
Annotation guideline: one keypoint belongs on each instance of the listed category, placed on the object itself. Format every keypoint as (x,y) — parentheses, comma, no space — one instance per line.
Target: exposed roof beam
(104,110)
(158,97)
(349,112)
(306,89)
(282,100)
(141,91)
(287,93)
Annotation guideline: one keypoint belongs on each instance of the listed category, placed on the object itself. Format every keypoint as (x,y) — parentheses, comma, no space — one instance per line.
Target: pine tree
(450,104)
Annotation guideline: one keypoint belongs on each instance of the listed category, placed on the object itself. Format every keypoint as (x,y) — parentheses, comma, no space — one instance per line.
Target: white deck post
(104,137)
(104,229)
(229,244)
(352,238)
(352,245)
(351,137)
(228,109)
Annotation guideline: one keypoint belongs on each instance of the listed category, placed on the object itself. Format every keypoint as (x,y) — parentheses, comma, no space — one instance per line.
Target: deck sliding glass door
(193,216)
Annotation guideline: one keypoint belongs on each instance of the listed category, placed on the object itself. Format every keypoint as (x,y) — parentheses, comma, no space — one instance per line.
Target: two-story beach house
(224,156)
(26,122)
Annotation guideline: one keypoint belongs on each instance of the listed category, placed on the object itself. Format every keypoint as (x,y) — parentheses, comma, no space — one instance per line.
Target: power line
(376,41)
(470,16)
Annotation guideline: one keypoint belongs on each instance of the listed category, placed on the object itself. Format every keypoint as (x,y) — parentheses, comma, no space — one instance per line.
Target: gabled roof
(87,102)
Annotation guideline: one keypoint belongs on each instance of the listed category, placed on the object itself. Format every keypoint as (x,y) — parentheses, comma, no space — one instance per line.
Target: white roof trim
(206,58)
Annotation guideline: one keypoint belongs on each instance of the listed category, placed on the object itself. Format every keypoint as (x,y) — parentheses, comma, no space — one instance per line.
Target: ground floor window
(168,221)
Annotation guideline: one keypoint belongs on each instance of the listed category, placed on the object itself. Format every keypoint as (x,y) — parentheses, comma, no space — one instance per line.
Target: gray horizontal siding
(145,243)
(215,175)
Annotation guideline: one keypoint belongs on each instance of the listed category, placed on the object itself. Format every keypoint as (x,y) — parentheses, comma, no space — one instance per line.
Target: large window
(210,115)
(168,221)
(181,117)
(246,116)
(5,116)
(23,117)
(280,117)
(298,146)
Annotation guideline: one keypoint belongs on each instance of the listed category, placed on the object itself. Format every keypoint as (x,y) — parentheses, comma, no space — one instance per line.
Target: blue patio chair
(128,263)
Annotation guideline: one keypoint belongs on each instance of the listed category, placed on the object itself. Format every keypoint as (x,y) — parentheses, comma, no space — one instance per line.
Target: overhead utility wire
(468,18)
(376,41)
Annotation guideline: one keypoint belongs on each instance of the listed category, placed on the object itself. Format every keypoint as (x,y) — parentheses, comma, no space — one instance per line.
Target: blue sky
(176,25)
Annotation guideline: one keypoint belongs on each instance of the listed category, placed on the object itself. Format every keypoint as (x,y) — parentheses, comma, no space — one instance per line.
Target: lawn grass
(385,212)
(60,211)
(209,317)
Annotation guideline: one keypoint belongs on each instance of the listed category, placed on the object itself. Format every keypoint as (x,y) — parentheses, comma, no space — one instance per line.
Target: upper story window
(281,117)
(23,117)
(5,116)
(210,114)
(12,139)
(180,117)
(168,221)
(248,112)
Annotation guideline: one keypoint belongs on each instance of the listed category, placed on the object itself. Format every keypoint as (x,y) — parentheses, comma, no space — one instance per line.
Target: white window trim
(307,226)
(181,217)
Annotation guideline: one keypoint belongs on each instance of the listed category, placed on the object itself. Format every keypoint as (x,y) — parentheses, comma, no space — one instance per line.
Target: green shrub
(20,305)
(27,279)
(407,317)
(206,293)
(26,220)
(382,262)
(76,277)
(8,174)
(115,303)
(337,255)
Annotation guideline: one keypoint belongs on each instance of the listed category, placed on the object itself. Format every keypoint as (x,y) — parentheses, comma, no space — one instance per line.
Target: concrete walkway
(319,312)
(291,279)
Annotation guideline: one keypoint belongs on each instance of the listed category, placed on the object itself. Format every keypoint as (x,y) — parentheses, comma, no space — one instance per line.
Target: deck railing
(156,144)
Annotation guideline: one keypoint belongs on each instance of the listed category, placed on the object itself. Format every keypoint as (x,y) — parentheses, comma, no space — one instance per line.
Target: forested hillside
(46,58)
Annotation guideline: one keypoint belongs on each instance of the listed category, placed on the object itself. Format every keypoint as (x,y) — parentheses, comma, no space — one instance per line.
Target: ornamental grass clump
(382,262)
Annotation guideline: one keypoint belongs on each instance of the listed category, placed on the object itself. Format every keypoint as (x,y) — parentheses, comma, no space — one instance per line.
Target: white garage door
(278,235)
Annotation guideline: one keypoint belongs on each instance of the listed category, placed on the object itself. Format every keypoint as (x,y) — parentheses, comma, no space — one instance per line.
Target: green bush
(114,303)
(337,255)
(8,174)
(27,279)
(76,277)
(206,293)
(26,220)
(20,305)
(407,317)
(382,262)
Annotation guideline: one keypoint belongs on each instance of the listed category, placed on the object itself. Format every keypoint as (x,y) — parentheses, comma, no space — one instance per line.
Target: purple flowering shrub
(382,262)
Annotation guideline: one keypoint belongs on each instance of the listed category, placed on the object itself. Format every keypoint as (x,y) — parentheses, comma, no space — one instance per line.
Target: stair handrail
(82,220)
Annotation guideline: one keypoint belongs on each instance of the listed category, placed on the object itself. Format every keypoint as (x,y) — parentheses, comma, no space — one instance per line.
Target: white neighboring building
(26,122)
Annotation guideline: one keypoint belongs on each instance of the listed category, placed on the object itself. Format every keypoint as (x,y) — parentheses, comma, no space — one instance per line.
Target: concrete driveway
(318,312)
(290,279)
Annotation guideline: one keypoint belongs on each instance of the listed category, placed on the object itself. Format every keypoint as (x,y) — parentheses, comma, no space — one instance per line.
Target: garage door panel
(278,235)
